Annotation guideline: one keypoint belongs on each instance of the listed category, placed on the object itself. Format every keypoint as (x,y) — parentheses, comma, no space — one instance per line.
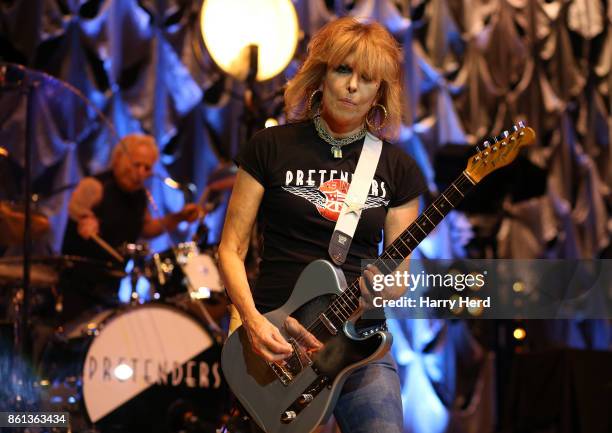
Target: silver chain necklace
(336,143)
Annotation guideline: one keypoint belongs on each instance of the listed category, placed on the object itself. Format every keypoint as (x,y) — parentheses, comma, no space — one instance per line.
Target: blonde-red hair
(378,55)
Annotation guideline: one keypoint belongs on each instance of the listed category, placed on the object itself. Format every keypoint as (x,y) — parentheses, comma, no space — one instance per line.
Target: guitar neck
(345,305)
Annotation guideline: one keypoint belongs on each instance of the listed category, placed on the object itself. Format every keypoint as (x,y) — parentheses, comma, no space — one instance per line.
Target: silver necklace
(336,143)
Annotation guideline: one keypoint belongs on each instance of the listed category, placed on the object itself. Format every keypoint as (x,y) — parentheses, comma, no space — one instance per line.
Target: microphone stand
(20,341)
(27,232)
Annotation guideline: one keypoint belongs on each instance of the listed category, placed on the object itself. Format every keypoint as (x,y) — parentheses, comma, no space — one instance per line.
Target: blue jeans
(370,401)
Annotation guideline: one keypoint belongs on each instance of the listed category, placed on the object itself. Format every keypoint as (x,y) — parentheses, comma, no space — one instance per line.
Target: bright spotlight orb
(271,122)
(230,26)
(519,334)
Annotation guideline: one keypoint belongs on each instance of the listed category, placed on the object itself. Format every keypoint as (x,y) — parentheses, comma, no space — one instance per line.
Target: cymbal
(12,224)
(41,275)
(45,270)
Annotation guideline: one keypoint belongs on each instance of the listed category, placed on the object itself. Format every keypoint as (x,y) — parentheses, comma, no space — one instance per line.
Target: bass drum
(141,368)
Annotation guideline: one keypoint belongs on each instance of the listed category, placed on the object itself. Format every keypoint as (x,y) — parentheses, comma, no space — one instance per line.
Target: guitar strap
(355,199)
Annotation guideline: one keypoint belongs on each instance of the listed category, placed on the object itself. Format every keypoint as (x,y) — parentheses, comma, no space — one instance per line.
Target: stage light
(172,183)
(518,287)
(201,293)
(476,310)
(457,310)
(271,122)
(519,334)
(231,27)
(478,283)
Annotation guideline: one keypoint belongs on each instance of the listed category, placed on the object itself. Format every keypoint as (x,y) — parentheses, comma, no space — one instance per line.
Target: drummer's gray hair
(129,142)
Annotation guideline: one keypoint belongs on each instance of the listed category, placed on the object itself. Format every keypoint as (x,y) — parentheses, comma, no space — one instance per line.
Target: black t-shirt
(121,217)
(305,187)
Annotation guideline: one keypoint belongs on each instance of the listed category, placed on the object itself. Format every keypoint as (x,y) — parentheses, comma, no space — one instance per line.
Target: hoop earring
(311,100)
(384,121)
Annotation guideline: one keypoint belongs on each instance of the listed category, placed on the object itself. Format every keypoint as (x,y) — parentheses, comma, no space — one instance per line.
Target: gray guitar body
(258,387)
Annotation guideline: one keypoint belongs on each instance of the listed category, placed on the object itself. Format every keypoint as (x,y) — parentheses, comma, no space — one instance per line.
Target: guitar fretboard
(345,305)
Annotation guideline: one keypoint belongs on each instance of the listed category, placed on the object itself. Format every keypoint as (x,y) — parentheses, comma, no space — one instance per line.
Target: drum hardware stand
(201,234)
(18,375)
(216,331)
(137,254)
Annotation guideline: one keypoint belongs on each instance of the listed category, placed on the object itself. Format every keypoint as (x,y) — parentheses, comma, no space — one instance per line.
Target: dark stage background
(472,67)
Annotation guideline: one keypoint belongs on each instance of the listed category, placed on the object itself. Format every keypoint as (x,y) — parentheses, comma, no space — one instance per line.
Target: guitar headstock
(500,153)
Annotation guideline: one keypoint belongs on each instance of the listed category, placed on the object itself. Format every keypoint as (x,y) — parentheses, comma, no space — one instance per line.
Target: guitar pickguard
(310,382)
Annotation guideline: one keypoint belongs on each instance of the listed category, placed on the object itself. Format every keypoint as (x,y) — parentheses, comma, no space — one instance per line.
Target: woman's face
(347,97)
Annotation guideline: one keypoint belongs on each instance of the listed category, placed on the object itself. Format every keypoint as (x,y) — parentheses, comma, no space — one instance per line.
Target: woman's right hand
(266,340)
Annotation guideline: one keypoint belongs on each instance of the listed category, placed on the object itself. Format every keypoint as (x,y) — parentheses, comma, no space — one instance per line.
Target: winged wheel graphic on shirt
(330,196)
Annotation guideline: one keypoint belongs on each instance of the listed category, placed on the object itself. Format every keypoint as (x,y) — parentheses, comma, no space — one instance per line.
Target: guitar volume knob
(288,416)
(306,398)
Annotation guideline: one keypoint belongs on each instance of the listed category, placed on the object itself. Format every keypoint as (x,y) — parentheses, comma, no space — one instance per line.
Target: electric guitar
(300,394)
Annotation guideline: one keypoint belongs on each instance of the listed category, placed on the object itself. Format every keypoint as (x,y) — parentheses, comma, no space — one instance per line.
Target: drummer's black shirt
(304,190)
(121,217)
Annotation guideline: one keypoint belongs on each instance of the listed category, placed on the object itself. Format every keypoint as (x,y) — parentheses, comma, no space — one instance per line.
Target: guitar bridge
(293,365)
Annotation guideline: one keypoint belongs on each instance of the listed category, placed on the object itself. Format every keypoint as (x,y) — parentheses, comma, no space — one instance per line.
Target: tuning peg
(505,134)
(521,124)
(487,146)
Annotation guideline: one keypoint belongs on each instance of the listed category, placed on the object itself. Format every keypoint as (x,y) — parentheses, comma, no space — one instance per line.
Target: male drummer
(112,206)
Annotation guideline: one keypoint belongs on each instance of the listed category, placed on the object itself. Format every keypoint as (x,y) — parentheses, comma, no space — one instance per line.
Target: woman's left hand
(366,284)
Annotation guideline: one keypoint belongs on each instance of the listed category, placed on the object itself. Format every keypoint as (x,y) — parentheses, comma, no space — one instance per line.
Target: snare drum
(131,368)
(186,269)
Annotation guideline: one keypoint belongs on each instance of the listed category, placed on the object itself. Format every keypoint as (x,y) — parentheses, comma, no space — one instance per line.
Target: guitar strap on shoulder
(355,199)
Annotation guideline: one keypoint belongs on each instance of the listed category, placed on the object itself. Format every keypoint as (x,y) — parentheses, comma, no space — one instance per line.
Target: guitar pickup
(281,372)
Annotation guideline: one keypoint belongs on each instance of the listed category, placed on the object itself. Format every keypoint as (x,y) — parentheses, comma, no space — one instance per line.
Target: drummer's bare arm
(85,197)
(156,226)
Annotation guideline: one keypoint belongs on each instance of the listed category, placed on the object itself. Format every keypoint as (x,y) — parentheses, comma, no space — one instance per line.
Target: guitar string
(314,327)
(334,308)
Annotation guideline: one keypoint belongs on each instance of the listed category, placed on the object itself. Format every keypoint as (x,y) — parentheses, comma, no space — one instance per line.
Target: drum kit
(140,366)
(151,364)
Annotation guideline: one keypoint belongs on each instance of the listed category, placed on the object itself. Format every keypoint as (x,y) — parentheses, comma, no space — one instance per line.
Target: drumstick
(113,252)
